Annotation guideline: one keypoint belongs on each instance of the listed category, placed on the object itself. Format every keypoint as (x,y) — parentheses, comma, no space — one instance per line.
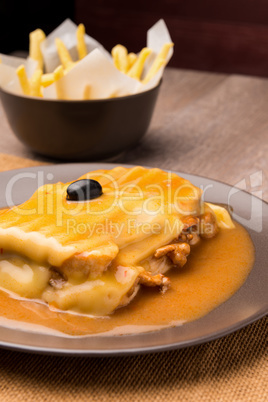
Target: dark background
(19,18)
(214,35)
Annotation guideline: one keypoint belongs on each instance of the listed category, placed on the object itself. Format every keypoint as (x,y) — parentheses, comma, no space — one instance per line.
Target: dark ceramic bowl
(80,130)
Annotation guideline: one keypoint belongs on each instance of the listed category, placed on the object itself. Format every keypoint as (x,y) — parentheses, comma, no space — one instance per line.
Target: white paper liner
(67,33)
(96,69)
(8,66)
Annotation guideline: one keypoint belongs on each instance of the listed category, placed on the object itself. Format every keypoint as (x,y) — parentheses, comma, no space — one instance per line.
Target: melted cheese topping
(34,245)
(140,209)
(22,276)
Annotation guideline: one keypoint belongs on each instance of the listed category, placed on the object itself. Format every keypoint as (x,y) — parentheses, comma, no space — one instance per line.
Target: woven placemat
(233,368)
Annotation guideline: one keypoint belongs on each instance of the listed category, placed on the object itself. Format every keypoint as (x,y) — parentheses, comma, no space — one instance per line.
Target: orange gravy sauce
(215,270)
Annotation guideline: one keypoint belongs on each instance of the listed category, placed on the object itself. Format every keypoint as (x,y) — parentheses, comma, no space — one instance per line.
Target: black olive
(82,190)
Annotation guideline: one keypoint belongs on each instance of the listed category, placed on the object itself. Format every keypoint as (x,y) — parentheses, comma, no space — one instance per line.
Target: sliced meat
(209,227)
(190,230)
(57,280)
(157,265)
(190,222)
(159,280)
(92,263)
(190,238)
(193,238)
(177,252)
(195,227)
(160,252)
(130,294)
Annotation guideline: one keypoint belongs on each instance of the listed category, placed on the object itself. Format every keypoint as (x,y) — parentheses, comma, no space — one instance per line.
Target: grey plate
(248,304)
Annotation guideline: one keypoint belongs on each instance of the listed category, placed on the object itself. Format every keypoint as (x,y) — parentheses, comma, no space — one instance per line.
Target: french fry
(131,57)
(30,87)
(81,44)
(63,53)
(136,69)
(24,81)
(47,79)
(36,38)
(120,57)
(164,51)
(87,92)
(35,83)
(159,61)
(113,94)
(70,66)
(58,74)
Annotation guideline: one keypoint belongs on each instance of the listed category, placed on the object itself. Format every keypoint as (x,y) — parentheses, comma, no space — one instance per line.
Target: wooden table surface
(213,125)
